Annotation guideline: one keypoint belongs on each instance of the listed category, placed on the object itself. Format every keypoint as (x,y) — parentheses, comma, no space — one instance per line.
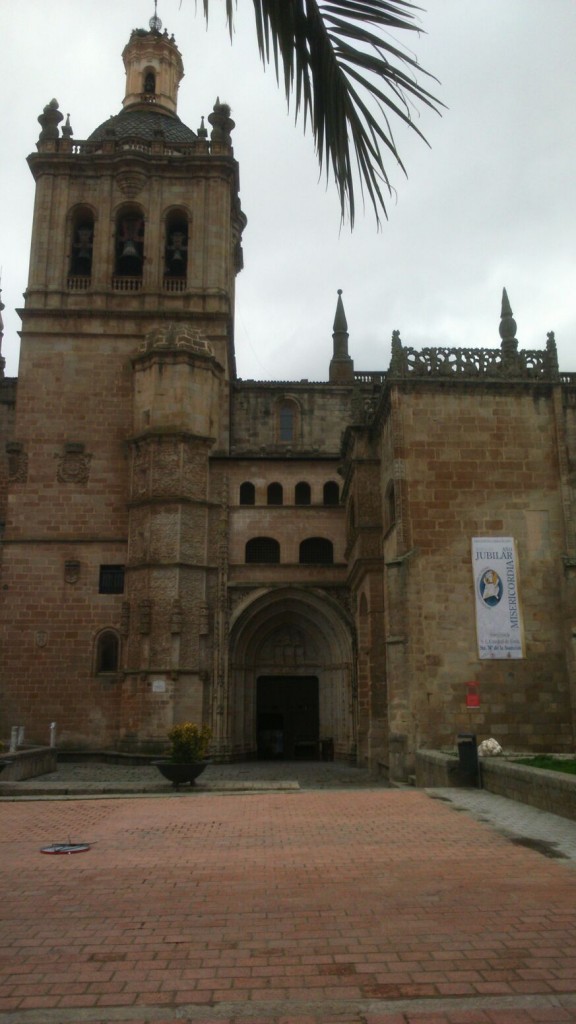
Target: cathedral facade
(312,569)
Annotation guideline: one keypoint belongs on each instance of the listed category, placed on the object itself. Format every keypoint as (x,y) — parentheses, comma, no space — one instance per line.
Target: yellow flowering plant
(189,742)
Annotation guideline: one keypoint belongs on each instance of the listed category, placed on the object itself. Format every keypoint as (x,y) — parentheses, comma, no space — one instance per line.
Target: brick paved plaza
(366,906)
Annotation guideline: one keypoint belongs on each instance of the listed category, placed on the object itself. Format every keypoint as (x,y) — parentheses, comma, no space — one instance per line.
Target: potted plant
(187,755)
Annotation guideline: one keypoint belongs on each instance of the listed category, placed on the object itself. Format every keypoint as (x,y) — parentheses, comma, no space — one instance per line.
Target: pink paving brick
(354,901)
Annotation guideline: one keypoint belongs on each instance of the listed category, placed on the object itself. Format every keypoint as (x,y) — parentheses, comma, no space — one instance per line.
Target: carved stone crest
(71,571)
(73,464)
(17,462)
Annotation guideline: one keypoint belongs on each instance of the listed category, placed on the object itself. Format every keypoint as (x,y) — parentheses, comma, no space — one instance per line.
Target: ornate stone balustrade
(156,146)
(474,363)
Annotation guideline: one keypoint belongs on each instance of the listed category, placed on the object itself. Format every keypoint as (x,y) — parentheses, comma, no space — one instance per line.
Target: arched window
(316,550)
(286,422)
(107,652)
(275,494)
(247,493)
(149,83)
(176,249)
(262,549)
(81,248)
(302,494)
(331,493)
(129,243)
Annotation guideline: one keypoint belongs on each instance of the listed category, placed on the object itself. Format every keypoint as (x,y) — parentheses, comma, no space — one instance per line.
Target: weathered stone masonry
(286,561)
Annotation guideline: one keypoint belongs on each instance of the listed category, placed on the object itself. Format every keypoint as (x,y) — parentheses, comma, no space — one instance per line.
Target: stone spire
(508,330)
(341,365)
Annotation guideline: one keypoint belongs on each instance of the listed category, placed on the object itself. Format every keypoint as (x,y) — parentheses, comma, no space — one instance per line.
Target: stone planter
(180,774)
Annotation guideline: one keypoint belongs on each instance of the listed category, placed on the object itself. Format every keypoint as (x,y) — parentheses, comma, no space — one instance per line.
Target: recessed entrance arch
(290,673)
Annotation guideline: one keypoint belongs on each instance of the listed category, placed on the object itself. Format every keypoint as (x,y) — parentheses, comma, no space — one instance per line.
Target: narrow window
(111,579)
(107,652)
(331,493)
(247,493)
(316,550)
(262,549)
(302,494)
(286,422)
(275,494)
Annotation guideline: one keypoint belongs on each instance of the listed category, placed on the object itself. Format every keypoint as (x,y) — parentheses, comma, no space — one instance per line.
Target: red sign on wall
(472,695)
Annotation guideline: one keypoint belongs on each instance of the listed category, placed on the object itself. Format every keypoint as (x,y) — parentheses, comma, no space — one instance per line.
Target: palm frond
(344,73)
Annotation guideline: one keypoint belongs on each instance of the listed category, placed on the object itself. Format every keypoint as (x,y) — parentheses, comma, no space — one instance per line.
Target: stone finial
(397,357)
(155,23)
(507,328)
(340,323)
(67,131)
(202,132)
(341,365)
(49,120)
(222,123)
(551,353)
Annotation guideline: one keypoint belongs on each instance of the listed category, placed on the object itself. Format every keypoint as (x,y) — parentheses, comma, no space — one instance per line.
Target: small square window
(111,579)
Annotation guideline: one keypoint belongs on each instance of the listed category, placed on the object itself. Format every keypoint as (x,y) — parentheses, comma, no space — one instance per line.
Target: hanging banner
(498,617)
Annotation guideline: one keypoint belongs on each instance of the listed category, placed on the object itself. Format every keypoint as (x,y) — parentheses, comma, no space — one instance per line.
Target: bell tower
(127,356)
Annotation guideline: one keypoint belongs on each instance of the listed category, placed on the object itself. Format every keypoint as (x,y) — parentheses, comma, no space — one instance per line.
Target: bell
(177,246)
(129,251)
(84,244)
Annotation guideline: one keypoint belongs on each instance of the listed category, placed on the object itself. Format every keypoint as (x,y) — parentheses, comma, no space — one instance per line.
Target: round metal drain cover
(66,848)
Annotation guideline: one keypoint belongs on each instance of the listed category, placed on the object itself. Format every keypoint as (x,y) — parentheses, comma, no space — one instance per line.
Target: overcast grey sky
(490,204)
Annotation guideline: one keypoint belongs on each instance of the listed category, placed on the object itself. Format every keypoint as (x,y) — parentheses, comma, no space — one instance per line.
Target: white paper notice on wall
(158,686)
(496,593)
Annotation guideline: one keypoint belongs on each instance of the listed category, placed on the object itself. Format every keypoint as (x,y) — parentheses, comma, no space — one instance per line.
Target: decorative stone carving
(17,462)
(286,647)
(145,616)
(506,363)
(73,464)
(204,620)
(222,123)
(131,183)
(49,120)
(71,571)
(176,337)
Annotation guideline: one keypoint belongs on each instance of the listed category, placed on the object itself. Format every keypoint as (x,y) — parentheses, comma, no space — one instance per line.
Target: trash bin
(468,759)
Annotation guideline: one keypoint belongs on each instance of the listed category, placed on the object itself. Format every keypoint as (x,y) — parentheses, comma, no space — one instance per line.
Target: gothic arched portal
(291,655)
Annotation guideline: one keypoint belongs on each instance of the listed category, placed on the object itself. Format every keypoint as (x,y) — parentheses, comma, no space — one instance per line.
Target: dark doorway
(288,719)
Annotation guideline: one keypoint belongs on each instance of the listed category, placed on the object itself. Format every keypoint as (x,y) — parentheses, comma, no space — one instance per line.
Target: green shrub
(189,743)
(554,764)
